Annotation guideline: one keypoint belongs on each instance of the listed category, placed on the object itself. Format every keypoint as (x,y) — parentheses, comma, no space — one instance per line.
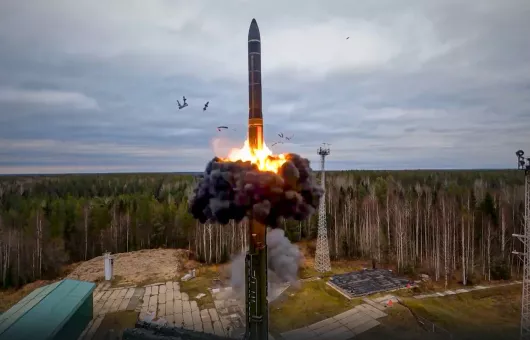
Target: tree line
(450,224)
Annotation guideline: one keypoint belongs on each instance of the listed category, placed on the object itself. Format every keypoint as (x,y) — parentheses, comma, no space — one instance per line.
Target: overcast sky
(91,86)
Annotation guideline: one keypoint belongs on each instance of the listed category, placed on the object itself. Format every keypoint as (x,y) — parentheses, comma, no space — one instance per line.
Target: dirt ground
(135,268)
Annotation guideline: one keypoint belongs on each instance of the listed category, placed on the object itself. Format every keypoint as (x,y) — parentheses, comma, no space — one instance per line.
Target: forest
(450,224)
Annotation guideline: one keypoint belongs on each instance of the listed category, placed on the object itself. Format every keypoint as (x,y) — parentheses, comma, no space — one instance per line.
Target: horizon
(200,172)
(408,85)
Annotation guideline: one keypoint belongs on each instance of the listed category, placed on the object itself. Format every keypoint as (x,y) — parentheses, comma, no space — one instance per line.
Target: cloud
(438,84)
(48,97)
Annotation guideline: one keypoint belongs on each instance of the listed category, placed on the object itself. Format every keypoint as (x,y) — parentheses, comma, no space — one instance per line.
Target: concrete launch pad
(368,281)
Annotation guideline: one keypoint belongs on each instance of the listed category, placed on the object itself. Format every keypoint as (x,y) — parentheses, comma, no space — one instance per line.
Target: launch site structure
(525,256)
(322,262)
(257,309)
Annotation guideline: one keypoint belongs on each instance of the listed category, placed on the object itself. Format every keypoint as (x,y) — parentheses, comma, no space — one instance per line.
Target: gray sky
(89,86)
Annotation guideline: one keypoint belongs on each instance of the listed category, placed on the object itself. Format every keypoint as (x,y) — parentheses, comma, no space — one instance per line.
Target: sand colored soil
(134,268)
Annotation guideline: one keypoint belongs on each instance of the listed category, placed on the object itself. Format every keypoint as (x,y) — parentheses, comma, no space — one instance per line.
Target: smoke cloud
(283,260)
(234,190)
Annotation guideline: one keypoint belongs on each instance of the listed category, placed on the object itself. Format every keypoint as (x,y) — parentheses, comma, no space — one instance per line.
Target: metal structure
(256,304)
(322,263)
(525,255)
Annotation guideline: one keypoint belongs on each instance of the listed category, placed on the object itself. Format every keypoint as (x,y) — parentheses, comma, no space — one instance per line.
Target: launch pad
(366,282)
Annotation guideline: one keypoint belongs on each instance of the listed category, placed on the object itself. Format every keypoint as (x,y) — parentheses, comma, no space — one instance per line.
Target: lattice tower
(525,255)
(322,263)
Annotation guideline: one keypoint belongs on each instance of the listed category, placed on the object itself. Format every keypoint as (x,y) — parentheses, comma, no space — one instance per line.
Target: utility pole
(322,263)
(525,255)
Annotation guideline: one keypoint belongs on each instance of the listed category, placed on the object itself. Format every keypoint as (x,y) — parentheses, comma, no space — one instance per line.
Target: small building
(60,310)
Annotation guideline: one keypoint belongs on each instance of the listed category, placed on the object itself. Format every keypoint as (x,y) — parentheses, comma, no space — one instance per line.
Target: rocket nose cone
(253,32)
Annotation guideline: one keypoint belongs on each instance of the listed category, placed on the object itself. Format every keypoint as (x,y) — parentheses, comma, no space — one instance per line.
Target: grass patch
(313,302)
(488,310)
(337,267)
(200,284)
(116,323)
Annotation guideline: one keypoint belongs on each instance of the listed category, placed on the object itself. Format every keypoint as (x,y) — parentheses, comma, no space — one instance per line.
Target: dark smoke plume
(233,190)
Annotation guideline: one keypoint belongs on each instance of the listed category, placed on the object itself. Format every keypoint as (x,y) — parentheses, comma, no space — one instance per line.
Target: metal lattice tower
(525,255)
(322,263)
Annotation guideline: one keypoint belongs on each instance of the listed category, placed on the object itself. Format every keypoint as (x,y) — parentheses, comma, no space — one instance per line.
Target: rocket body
(255,116)
(256,304)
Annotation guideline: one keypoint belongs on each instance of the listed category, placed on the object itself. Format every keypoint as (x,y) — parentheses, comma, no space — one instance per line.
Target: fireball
(262,158)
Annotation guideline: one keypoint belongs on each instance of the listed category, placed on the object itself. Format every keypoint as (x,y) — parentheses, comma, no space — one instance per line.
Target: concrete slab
(355,321)
(170,308)
(185,297)
(327,328)
(162,289)
(130,293)
(162,297)
(134,302)
(153,300)
(198,327)
(322,323)
(179,319)
(177,307)
(114,294)
(154,290)
(161,311)
(122,293)
(339,333)
(376,313)
(365,326)
(213,314)
(93,328)
(170,319)
(194,306)
(218,328)
(123,305)
(299,334)
(188,320)
(374,304)
(105,295)
(208,327)
(346,314)
(196,317)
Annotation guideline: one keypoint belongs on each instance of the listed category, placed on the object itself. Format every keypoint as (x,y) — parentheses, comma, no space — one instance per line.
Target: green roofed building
(57,311)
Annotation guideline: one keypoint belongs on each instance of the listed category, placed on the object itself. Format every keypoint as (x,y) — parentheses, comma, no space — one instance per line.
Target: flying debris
(273,144)
(289,138)
(205,106)
(347,38)
(221,127)
(280,135)
(184,104)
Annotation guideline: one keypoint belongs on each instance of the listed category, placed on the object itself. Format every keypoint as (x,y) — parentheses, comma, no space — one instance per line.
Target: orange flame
(263,158)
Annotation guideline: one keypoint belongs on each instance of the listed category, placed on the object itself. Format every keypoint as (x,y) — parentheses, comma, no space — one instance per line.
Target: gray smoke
(233,190)
(283,260)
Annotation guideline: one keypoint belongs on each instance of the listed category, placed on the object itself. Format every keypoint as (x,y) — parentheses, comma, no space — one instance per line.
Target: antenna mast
(322,263)
(525,255)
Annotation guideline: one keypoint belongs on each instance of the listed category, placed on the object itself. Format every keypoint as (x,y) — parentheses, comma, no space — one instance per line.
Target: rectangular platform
(368,281)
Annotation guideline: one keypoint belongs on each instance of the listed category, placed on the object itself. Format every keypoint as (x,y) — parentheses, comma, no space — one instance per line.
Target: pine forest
(449,224)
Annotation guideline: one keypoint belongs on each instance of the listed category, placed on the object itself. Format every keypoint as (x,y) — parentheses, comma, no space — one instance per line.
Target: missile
(255,116)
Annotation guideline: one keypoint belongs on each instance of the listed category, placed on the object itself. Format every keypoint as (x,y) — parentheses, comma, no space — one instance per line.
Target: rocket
(255,116)
(256,304)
